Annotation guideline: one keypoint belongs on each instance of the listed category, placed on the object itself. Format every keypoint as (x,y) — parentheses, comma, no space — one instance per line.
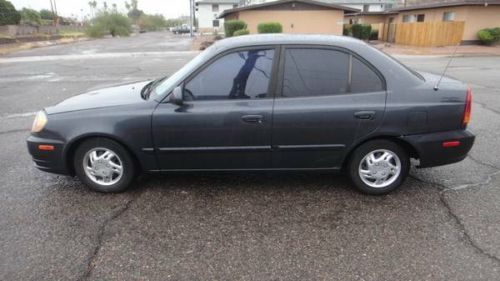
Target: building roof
(381,13)
(452,3)
(282,38)
(281,2)
(218,2)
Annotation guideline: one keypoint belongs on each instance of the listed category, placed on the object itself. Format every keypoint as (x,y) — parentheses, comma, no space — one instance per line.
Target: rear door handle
(365,115)
(252,118)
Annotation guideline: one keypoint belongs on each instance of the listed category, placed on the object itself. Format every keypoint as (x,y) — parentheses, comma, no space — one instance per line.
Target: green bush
(241,32)
(361,31)
(270,27)
(151,22)
(109,23)
(489,36)
(31,17)
(374,35)
(495,32)
(46,14)
(231,26)
(347,31)
(8,14)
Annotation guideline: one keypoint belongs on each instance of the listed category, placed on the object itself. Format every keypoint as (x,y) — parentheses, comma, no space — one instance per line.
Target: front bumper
(431,151)
(47,161)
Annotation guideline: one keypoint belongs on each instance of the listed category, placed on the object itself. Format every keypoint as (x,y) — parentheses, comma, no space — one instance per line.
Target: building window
(215,23)
(409,18)
(235,6)
(366,8)
(421,18)
(448,16)
(215,7)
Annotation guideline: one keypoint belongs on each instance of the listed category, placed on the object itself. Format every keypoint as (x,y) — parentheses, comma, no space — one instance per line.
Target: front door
(225,121)
(329,98)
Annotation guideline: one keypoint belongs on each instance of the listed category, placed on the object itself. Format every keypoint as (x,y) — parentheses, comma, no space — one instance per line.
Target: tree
(30,16)
(8,14)
(109,23)
(133,12)
(93,6)
(152,22)
(46,14)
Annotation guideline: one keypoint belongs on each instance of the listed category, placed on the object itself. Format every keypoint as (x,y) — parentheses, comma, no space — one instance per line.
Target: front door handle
(252,118)
(365,115)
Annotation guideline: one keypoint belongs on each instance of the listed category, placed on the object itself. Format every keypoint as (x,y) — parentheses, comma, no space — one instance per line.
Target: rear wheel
(104,165)
(378,167)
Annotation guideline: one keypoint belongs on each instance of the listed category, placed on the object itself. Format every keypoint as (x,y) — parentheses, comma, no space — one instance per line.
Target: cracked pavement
(443,224)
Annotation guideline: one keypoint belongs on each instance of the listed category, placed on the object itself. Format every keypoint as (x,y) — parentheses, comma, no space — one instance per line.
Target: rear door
(329,98)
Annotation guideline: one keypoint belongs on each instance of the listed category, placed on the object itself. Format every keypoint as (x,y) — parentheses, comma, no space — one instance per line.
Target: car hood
(112,96)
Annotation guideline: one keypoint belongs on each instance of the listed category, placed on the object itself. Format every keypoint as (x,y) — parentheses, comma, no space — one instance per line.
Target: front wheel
(378,167)
(104,165)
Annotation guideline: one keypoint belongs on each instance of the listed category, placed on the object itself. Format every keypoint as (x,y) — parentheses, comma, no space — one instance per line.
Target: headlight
(40,122)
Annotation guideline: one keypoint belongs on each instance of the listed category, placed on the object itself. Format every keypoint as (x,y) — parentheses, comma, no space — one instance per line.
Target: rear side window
(315,72)
(238,75)
(323,72)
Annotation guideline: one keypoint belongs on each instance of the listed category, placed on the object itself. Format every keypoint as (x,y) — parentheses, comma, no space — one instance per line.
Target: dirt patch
(19,46)
(204,41)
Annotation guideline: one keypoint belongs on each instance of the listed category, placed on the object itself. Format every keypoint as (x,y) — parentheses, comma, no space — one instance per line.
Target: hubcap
(380,168)
(103,166)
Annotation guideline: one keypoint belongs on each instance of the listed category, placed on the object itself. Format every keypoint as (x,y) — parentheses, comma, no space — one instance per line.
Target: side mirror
(176,96)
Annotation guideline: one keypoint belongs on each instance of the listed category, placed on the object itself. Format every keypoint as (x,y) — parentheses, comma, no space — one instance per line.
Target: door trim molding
(267,148)
(310,147)
(216,148)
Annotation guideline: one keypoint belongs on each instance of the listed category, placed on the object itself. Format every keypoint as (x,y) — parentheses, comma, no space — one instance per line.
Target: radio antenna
(436,87)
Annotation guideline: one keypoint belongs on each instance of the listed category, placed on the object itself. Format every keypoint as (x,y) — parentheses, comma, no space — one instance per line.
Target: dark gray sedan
(263,102)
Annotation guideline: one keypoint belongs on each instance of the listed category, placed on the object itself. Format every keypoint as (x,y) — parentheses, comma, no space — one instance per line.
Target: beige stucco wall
(475,17)
(303,21)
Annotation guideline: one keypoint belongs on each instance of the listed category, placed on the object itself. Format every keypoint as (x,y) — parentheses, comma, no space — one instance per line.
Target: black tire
(353,166)
(129,169)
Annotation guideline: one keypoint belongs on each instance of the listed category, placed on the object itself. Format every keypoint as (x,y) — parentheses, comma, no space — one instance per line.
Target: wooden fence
(429,34)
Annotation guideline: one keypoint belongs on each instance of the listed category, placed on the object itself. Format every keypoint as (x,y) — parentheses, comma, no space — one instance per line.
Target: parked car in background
(182,29)
(267,103)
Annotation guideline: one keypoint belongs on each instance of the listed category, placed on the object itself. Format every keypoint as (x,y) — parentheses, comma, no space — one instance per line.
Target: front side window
(238,75)
(215,23)
(421,18)
(215,7)
(323,72)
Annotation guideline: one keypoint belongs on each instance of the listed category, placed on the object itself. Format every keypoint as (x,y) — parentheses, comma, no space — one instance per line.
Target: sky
(80,8)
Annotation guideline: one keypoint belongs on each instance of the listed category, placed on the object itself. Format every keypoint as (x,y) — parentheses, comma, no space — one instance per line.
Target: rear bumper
(47,161)
(431,151)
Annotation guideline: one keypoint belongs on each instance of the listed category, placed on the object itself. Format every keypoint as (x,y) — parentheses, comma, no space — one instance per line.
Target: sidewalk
(465,50)
(14,47)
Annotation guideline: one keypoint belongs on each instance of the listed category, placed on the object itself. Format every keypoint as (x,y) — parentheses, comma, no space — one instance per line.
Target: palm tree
(93,5)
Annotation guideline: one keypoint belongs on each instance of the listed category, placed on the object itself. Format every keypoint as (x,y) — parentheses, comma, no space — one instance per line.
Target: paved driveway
(444,224)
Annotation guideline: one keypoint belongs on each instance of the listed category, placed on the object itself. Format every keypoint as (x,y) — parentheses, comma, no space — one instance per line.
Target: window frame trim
(351,54)
(271,91)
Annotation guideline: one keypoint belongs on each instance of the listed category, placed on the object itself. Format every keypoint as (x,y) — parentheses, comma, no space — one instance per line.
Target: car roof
(276,39)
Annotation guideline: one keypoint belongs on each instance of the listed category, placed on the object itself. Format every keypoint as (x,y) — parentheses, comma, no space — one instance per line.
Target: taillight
(468,107)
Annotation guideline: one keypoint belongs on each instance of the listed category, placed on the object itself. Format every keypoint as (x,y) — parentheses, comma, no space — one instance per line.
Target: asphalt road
(443,224)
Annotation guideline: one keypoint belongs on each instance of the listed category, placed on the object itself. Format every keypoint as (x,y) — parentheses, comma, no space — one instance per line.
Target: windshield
(167,85)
